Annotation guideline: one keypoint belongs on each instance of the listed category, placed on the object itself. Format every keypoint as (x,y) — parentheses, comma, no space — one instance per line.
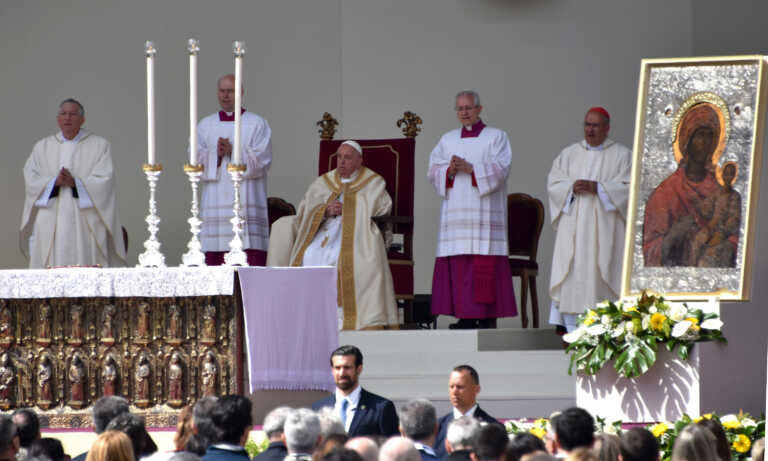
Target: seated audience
(492,440)
(365,447)
(574,428)
(204,431)
(462,434)
(638,444)
(399,449)
(301,434)
(695,443)
(9,438)
(723,447)
(232,422)
(273,429)
(28,425)
(523,444)
(111,446)
(418,422)
(607,447)
(134,428)
(47,447)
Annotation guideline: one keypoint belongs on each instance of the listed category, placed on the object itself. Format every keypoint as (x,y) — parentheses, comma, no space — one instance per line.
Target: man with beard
(361,412)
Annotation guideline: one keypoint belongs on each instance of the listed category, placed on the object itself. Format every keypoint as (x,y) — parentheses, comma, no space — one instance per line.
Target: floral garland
(741,430)
(629,333)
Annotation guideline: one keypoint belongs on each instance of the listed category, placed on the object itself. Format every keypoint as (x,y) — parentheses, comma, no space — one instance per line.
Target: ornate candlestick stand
(152,256)
(194,257)
(236,256)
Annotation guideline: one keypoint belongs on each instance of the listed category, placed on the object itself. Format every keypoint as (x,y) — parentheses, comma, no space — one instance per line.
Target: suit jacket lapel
(362,405)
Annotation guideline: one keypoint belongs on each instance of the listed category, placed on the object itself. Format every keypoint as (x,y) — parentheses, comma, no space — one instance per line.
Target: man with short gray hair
(399,449)
(462,434)
(273,427)
(103,411)
(365,447)
(301,434)
(70,208)
(418,422)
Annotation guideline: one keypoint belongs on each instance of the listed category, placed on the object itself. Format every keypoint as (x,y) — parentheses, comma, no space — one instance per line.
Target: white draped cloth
(589,241)
(64,230)
(218,190)
(472,219)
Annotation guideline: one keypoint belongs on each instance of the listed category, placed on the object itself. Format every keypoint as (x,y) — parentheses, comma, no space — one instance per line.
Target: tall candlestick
(239,49)
(150,52)
(193,49)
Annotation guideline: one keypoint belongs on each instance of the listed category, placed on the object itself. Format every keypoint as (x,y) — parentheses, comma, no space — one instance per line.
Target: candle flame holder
(152,257)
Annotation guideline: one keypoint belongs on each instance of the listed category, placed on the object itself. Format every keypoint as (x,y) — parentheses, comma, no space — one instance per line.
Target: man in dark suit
(273,428)
(463,387)
(361,412)
(418,422)
(232,420)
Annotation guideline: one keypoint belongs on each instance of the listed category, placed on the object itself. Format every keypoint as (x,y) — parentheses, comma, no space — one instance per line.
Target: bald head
(365,447)
(226,92)
(399,449)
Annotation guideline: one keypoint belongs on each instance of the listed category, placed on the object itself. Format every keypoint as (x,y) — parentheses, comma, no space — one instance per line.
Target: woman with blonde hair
(695,443)
(111,446)
(607,447)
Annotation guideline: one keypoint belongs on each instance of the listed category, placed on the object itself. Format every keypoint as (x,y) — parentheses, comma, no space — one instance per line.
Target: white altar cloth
(85,282)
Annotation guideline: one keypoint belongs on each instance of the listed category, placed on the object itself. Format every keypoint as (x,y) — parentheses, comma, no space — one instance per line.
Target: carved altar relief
(6,325)
(44,318)
(77,376)
(143,382)
(175,380)
(45,382)
(209,375)
(175,332)
(7,381)
(143,327)
(77,321)
(109,317)
(110,377)
(208,330)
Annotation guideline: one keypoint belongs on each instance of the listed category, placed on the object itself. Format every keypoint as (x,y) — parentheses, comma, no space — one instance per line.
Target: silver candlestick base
(236,256)
(152,256)
(194,257)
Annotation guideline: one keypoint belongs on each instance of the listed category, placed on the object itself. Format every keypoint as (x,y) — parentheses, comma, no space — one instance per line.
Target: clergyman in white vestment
(215,134)
(70,210)
(588,190)
(333,227)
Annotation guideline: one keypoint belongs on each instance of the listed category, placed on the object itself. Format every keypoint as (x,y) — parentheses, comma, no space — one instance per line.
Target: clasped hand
(584,186)
(459,165)
(224,148)
(65,178)
(333,209)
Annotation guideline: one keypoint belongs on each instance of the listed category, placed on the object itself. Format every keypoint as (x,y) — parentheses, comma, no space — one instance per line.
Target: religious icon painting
(692,208)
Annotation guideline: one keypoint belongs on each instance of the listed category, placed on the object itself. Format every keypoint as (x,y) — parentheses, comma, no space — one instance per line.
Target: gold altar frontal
(59,355)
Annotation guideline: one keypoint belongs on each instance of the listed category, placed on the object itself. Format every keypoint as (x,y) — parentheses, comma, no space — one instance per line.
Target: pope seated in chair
(333,227)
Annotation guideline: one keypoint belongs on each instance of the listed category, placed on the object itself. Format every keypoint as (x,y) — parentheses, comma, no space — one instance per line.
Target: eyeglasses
(465,108)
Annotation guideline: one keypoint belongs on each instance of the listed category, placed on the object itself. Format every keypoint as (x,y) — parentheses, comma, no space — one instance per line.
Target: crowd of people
(356,425)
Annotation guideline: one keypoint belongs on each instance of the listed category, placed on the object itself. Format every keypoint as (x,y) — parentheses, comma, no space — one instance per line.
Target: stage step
(523,372)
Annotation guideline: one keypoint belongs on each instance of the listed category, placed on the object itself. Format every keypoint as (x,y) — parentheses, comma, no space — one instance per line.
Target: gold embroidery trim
(318,214)
(347,259)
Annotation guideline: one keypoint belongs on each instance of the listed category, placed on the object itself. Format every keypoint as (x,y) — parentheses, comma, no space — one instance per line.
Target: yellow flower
(742,444)
(657,321)
(731,424)
(707,416)
(693,320)
(541,422)
(631,309)
(591,317)
(538,432)
(659,429)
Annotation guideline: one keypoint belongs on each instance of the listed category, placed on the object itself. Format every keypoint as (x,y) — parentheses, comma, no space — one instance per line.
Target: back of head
(329,443)
(232,418)
(111,446)
(723,447)
(105,409)
(274,421)
(302,431)
(184,428)
(574,428)
(341,454)
(607,447)
(758,450)
(639,444)
(418,419)
(184,456)
(581,454)
(365,447)
(538,456)
(458,455)
(205,431)
(523,444)
(132,426)
(7,432)
(492,440)
(695,443)
(47,447)
(399,449)
(330,423)
(28,425)
(462,433)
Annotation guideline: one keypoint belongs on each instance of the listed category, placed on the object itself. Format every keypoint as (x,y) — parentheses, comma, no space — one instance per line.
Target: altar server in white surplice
(469,168)
(588,192)
(70,209)
(215,134)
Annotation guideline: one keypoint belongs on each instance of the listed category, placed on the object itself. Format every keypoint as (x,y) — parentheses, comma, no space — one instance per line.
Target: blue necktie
(344,405)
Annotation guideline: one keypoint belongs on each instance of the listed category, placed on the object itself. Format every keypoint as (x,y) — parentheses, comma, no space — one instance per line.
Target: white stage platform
(523,372)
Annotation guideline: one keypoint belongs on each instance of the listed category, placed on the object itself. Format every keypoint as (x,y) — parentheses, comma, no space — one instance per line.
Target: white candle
(193,48)
(239,50)
(150,51)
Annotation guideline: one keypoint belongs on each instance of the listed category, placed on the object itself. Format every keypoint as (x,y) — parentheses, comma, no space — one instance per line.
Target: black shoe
(463,324)
(488,323)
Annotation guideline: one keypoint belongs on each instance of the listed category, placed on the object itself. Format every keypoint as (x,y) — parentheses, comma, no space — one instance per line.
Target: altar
(160,337)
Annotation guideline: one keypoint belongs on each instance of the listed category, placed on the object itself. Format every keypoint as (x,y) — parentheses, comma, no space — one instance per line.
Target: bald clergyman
(333,227)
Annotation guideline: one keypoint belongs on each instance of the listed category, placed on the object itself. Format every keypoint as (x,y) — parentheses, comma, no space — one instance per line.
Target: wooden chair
(277,208)
(525,218)
(394,160)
